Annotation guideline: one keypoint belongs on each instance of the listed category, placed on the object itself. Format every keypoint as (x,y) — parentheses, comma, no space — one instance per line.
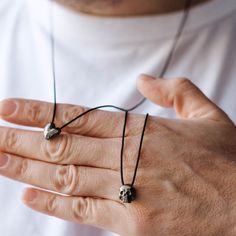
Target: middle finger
(64,149)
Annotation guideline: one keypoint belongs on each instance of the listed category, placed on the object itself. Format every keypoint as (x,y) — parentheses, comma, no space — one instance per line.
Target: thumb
(183,95)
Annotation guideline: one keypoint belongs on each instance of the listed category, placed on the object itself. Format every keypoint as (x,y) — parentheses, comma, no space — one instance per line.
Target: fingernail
(29,195)
(3,160)
(7,107)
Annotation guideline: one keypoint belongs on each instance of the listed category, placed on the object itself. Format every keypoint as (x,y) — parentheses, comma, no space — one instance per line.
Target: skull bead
(127,193)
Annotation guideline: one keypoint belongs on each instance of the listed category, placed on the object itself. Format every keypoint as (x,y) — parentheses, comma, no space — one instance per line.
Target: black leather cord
(163,71)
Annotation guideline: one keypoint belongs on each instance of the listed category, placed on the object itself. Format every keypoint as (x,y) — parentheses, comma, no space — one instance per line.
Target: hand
(186,180)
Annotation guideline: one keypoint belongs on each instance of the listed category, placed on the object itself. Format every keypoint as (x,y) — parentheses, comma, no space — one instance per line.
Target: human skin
(186,180)
(126,7)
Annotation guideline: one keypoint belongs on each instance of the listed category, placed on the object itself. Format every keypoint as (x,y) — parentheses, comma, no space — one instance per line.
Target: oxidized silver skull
(127,193)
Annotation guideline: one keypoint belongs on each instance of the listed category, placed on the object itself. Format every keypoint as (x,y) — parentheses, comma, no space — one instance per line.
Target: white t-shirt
(97,62)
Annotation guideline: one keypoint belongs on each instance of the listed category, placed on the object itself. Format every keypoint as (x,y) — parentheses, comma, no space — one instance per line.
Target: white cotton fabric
(97,62)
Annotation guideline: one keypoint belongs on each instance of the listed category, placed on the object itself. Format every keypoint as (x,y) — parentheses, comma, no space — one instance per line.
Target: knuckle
(10,139)
(138,225)
(69,113)
(101,150)
(130,152)
(65,179)
(58,150)
(141,215)
(182,83)
(81,209)
(22,168)
(33,111)
(73,112)
(51,204)
(81,177)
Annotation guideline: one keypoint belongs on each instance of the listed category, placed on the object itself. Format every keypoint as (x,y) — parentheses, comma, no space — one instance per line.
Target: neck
(127,7)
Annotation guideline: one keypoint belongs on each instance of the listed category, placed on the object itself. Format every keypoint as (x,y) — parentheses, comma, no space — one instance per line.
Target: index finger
(97,123)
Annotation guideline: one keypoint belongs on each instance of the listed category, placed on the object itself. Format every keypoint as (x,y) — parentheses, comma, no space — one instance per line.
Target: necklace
(127,191)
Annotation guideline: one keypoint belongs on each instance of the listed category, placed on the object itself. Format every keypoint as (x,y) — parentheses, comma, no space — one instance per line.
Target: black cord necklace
(127,191)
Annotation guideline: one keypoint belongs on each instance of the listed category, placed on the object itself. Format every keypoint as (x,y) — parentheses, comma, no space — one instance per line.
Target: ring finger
(65,179)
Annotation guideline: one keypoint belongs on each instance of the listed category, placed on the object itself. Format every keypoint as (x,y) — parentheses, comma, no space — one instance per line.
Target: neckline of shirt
(70,26)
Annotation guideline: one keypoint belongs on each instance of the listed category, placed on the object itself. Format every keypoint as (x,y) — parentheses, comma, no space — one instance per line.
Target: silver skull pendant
(127,193)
